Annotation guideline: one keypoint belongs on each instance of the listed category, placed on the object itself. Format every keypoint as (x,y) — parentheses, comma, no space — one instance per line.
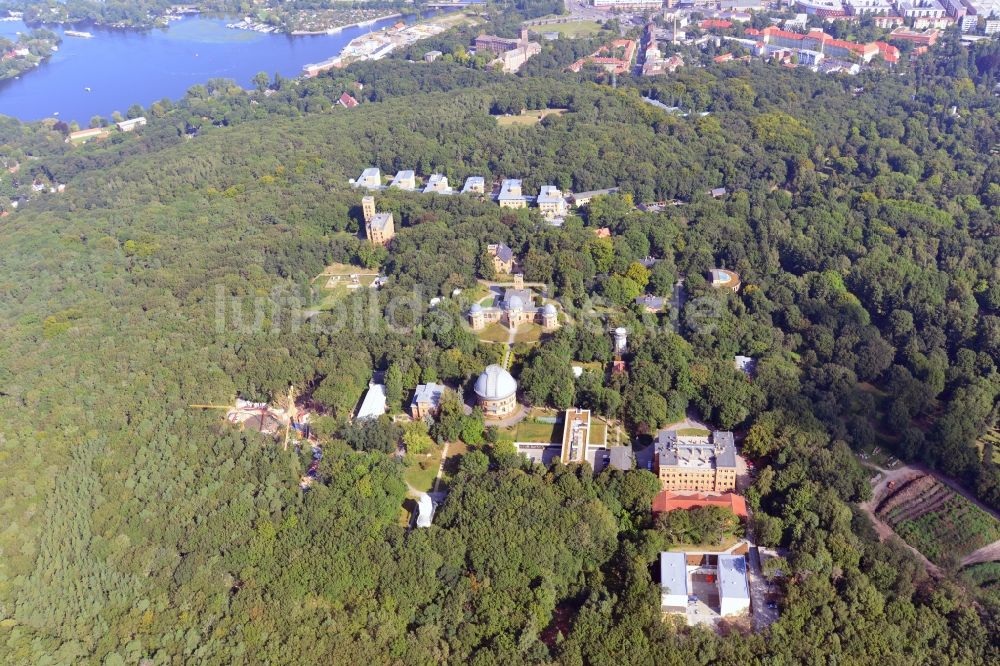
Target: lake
(124,67)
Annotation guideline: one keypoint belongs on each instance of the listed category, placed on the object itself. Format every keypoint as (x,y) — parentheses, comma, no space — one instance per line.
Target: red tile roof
(888,52)
(348,101)
(673,500)
(709,24)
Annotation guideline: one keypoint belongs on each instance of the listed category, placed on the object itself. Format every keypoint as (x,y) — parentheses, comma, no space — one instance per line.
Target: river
(124,67)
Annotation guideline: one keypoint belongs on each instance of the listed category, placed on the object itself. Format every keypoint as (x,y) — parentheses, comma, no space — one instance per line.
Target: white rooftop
(550,194)
(373,406)
(733,577)
(673,573)
(510,189)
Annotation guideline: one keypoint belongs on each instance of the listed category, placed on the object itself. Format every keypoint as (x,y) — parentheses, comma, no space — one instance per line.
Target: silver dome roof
(495,384)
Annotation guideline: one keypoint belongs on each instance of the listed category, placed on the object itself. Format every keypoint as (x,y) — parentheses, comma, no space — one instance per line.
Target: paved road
(582,10)
(761,615)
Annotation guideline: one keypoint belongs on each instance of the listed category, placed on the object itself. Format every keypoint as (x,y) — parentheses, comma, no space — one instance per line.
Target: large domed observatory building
(496,392)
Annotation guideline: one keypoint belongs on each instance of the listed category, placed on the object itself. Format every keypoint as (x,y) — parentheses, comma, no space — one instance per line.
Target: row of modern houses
(552,203)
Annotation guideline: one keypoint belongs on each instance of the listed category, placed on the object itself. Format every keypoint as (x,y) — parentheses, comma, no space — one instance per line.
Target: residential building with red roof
(925,38)
(818,41)
(715,24)
(619,65)
(347,101)
(667,500)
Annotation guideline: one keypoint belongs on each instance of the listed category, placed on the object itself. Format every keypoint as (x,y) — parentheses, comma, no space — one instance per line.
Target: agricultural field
(937,521)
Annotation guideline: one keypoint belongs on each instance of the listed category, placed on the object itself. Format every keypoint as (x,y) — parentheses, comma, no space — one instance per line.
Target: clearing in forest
(528,117)
(338,280)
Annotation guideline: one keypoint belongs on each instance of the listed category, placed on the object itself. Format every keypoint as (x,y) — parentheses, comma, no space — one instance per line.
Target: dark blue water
(123,67)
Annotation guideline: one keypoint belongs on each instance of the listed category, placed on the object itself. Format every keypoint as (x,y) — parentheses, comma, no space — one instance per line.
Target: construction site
(286,422)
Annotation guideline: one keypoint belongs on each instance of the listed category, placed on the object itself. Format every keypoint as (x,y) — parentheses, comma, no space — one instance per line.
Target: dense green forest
(863,218)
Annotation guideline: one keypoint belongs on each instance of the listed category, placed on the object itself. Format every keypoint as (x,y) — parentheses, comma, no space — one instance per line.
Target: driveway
(761,615)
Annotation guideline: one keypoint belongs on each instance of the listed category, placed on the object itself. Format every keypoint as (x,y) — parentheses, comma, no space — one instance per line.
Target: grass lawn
(570,28)
(422,470)
(536,431)
(598,431)
(494,333)
(528,333)
(528,117)
(726,543)
(693,432)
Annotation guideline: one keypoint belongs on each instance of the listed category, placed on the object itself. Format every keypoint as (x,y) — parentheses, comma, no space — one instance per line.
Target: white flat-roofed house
(404,180)
(734,590)
(551,203)
(673,583)
(474,185)
(371,179)
(131,124)
(438,184)
(583,198)
(510,194)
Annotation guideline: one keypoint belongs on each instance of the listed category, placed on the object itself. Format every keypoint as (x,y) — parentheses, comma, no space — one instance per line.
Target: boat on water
(78,33)
(87,88)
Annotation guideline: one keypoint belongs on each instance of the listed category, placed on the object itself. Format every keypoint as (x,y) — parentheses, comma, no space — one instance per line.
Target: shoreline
(340,28)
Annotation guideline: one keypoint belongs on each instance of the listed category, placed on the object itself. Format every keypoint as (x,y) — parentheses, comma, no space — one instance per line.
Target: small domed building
(496,392)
